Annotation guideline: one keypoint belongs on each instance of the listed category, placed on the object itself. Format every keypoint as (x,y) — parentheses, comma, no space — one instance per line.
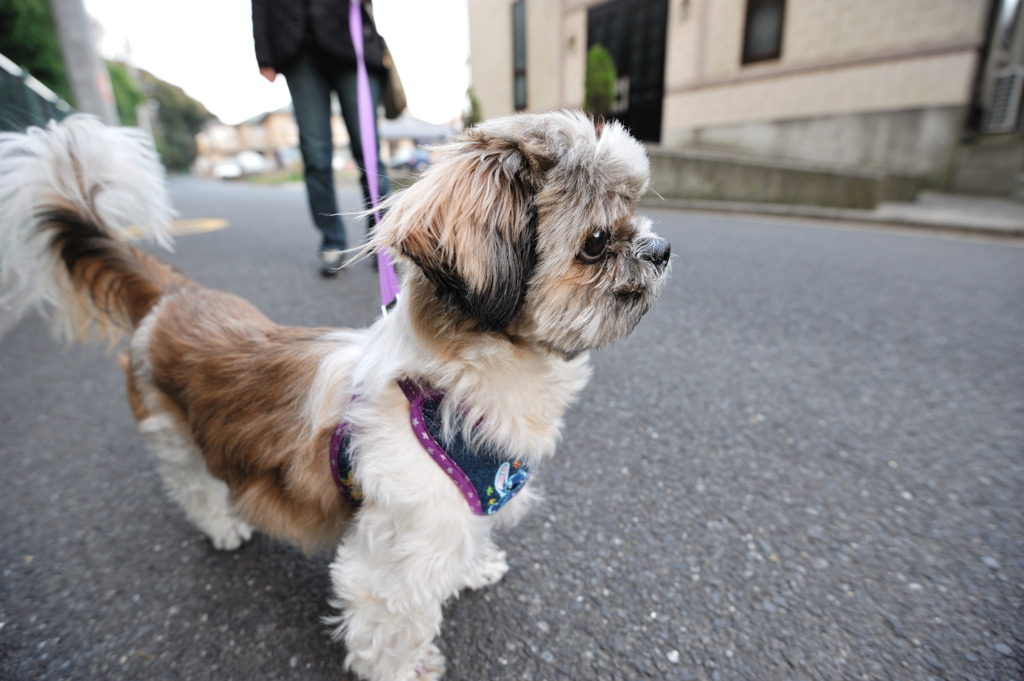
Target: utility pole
(144,111)
(90,81)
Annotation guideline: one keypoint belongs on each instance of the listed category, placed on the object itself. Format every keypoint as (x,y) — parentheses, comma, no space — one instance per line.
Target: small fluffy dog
(401,444)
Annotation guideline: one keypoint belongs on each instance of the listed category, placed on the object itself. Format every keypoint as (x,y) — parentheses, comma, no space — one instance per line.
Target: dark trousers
(311,99)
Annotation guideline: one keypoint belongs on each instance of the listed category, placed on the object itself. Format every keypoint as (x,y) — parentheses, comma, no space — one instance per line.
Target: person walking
(308,42)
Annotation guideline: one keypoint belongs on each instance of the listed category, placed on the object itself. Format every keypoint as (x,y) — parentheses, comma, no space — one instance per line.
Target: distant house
(275,137)
(272,135)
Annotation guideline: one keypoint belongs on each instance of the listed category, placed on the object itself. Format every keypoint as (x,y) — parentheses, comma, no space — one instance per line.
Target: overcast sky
(205,47)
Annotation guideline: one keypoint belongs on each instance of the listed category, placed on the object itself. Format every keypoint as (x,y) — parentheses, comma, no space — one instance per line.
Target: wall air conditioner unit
(1004,113)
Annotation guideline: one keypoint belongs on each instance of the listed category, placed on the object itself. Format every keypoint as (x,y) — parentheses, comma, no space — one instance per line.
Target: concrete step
(705,175)
(933,211)
(989,165)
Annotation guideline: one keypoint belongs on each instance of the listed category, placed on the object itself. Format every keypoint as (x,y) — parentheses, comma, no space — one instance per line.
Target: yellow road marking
(185,227)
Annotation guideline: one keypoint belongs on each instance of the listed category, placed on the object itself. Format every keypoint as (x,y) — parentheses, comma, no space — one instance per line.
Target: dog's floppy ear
(470,225)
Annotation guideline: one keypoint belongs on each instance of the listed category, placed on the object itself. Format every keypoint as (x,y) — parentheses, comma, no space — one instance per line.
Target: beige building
(890,85)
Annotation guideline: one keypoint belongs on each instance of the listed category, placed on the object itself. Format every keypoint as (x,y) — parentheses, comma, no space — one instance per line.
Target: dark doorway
(633,31)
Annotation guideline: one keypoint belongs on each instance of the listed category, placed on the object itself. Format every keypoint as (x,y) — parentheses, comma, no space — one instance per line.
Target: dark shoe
(332,261)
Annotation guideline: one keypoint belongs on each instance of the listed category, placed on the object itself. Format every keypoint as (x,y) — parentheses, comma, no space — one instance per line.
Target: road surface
(806,463)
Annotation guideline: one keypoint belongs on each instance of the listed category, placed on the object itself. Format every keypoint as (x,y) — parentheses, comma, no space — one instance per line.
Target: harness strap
(418,420)
(486,478)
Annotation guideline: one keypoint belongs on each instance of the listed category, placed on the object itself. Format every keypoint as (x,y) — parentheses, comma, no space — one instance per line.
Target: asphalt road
(807,463)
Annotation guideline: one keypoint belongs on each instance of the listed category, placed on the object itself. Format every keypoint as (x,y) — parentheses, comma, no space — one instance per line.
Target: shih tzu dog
(402,445)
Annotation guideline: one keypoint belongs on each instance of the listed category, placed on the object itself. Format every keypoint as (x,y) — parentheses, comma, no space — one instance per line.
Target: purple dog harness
(486,478)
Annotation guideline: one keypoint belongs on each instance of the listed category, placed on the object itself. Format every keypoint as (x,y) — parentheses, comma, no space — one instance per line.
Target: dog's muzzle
(656,250)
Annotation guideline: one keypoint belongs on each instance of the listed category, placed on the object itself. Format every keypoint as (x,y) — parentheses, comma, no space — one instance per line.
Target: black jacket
(283,28)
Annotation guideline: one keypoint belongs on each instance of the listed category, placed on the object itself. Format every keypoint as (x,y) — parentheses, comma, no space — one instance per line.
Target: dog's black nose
(657,250)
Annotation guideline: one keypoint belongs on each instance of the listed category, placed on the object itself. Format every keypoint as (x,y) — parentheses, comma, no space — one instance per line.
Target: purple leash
(368,136)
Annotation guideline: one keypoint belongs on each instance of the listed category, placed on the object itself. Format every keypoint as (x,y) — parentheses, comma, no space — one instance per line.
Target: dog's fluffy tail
(70,194)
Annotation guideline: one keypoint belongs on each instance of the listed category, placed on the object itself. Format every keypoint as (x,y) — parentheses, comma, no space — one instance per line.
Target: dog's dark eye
(595,246)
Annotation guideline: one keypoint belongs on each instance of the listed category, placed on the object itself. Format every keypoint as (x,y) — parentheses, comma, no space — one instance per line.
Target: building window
(762,34)
(519,55)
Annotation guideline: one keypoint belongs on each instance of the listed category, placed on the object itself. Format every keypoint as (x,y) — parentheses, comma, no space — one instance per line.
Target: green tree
(179,118)
(29,39)
(599,83)
(473,114)
(126,93)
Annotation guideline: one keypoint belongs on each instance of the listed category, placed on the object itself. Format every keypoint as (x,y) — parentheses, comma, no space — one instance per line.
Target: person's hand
(268,73)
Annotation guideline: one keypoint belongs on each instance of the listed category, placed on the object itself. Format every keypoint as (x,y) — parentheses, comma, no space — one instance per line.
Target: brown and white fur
(521,250)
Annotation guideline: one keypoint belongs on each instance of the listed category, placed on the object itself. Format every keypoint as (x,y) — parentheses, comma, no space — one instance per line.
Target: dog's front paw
(431,665)
(229,533)
(490,571)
